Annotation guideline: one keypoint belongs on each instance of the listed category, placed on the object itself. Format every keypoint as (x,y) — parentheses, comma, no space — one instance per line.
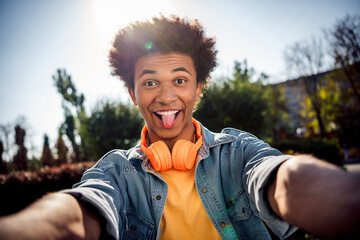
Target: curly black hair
(162,35)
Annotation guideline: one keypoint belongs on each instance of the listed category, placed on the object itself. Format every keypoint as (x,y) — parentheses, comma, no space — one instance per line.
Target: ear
(132,95)
(198,91)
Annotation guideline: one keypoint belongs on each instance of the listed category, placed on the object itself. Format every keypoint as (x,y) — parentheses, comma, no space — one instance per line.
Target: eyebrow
(147,71)
(179,69)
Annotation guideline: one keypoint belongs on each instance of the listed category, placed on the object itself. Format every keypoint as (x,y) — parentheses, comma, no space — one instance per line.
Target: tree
(237,102)
(112,125)
(20,159)
(5,131)
(69,128)
(329,95)
(344,39)
(277,112)
(344,42)
(73,105)
(3,167)
(62,150)
(307,59)
(340,109)
(68,91)
(47,158)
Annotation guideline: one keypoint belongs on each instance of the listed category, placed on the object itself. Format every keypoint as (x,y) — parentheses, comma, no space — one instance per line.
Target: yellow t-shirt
(184,215)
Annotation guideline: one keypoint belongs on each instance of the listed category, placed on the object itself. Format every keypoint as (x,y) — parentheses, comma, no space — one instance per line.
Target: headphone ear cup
(183,155)
(162,155)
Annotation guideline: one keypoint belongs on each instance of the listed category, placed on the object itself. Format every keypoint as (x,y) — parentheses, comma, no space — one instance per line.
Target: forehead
(164,62)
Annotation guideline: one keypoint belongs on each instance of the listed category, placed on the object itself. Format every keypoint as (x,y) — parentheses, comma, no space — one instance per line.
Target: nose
(166,95)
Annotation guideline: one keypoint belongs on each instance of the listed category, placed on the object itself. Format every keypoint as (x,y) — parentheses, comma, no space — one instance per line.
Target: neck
(187,134)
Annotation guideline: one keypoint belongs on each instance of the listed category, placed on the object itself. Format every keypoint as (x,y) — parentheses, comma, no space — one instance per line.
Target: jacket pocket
(238,207)
(136,227)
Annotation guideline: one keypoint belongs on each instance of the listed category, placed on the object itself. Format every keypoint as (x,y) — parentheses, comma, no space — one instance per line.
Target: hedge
(19,189)
(324,149)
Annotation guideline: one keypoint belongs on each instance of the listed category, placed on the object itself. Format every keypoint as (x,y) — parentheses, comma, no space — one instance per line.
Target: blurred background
(288,72)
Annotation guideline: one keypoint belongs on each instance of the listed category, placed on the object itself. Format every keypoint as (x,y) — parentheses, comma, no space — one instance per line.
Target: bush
(324,149)
(21,188)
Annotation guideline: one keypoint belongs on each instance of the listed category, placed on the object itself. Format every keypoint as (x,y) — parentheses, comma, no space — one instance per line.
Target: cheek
(190,100)
(142,103)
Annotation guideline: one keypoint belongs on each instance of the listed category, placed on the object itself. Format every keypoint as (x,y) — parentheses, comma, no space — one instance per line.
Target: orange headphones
(183,154)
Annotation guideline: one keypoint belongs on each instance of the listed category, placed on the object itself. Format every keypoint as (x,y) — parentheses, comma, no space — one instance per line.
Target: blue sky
(39,36)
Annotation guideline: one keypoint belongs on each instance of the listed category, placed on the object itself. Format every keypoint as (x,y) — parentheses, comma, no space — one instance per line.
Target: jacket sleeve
(261,162)
(98,190)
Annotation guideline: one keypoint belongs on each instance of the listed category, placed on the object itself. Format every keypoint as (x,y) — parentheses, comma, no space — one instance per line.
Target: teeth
(165,113)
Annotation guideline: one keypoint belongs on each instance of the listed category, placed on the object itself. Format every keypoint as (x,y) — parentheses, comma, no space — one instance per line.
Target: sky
(39,36)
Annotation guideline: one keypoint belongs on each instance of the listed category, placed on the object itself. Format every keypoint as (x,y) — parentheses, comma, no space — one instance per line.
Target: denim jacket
(232,171)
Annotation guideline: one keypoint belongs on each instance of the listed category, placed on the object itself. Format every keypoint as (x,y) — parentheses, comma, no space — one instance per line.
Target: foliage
(68,91)
(322,148)
(277,113)
(241,104)
(47,158)
(19,189)
(3,167)
(307,59)
(34,164)
(20,159)
(69,128)
(110,126)
(62,150)
(329,95)
(73,105)
(344,40)
(5,130)
(349,131)
(333,101)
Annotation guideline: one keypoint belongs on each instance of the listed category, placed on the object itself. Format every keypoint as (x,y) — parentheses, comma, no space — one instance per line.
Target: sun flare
(111,15)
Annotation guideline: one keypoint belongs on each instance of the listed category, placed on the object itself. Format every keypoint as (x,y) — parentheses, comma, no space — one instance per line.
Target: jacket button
(222,225)
(204,190)
(133,228)
(243,210)
(158,197)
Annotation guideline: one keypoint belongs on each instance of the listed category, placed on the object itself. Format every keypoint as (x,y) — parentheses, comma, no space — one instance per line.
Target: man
(183,181)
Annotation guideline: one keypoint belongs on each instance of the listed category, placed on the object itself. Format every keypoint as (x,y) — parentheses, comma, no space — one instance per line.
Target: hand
(317,196)
(55,216)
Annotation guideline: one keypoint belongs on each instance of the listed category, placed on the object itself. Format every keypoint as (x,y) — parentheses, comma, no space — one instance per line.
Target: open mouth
(167,117)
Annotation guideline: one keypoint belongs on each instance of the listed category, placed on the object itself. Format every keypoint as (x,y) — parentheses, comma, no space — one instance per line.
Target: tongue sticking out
(168,120)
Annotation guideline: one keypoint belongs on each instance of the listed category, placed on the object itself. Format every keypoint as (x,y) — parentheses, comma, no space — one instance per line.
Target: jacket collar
(210,139)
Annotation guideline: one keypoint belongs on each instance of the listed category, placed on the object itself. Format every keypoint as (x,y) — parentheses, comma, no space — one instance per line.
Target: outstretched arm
(55,216)
(317,197)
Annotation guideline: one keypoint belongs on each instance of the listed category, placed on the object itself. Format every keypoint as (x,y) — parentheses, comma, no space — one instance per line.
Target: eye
(149,83)
(180,81)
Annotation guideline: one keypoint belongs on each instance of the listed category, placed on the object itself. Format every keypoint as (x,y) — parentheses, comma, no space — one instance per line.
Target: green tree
(277,112)
(238,102)
(73,105)
(47,158)
(112,125)
(69,129)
